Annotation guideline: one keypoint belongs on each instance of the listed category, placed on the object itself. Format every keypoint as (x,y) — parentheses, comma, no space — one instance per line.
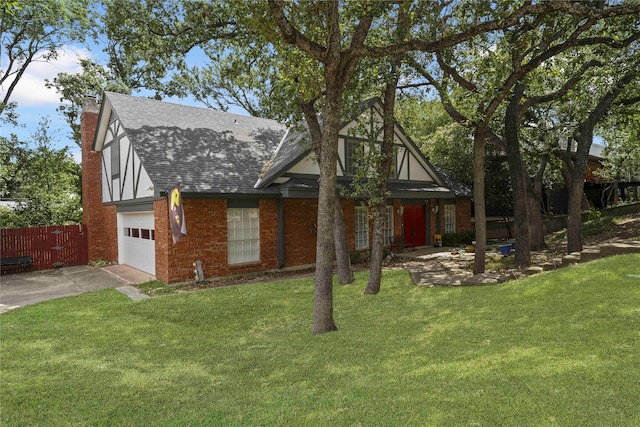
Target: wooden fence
(50,246)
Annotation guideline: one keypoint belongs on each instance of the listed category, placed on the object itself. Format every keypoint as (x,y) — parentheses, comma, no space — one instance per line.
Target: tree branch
(291,35)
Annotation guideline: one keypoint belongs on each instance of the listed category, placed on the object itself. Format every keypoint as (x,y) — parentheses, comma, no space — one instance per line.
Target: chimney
(98,219)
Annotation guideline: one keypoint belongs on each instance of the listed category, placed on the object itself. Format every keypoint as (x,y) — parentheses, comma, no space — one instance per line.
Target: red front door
(414,225)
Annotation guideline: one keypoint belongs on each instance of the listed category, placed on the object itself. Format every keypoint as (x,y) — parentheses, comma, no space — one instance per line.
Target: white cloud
(31,91)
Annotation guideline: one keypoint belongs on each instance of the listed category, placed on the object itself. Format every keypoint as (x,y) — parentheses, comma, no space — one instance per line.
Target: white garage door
(136,241)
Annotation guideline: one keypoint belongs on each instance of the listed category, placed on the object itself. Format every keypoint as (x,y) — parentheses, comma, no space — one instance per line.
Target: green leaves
(45,182)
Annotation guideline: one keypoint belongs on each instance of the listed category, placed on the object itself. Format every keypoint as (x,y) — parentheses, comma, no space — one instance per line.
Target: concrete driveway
(19,290)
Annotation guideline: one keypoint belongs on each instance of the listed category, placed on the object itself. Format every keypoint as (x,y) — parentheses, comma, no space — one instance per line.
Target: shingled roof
(206,150)
(213,152)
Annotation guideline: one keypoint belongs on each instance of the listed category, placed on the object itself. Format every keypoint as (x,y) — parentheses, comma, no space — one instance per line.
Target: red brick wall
(100,220)
(207,235)
(300,231)
(463,215)
(349,213)
(206,241)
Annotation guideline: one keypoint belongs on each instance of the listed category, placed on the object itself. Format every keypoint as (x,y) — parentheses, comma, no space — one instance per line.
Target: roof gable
(296,148)
(207,151)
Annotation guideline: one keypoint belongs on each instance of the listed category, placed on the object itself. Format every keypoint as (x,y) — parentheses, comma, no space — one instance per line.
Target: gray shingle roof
(294,147)
(460,189)
(208,151)
(214,152)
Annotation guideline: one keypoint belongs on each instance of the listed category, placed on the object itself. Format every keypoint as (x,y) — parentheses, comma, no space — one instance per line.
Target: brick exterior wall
(300,223)
(100,220)
(207,225)
(206,240)
(463,215)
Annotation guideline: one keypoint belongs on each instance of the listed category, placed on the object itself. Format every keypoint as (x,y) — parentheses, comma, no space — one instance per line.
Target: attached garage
(136,241)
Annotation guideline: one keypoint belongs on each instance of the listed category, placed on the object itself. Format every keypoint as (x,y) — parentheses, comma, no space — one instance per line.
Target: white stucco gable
(410,165)
(124,177)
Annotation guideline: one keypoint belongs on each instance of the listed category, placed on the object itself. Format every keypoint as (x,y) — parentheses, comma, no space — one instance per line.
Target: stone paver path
(448,267)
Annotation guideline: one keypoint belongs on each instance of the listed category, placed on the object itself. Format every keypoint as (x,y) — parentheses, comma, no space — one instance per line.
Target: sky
(35,100)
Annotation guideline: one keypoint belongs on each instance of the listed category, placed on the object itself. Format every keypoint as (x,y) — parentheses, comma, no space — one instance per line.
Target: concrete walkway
(22,289)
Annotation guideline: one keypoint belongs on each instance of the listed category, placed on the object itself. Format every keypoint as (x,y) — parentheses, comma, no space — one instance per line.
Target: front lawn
(561,348)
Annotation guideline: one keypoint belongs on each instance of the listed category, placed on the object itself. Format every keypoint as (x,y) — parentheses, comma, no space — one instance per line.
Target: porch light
(436,209)
(401,210)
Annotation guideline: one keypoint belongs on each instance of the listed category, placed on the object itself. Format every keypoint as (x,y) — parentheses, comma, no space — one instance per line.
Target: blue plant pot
(505,249)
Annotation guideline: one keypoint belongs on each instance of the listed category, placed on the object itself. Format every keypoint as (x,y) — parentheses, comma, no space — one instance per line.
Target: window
(362,227)
(388,226)
(449,218)
(139,233)
(393,172)
(243,235)
(115,158)
(350,159)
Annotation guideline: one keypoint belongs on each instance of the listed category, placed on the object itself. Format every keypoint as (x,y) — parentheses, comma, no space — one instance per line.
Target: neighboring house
(597,191)
(249,189)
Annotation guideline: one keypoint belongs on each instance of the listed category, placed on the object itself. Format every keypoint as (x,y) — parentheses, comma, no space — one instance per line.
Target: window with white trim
(362,227)
(388,226)
(449,218)
(243,235)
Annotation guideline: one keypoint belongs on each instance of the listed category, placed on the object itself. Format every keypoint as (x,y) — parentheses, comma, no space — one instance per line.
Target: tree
(621,154)
(474,89)
(35,31)
(45,181)
(383,168)
(317,46)
(576,164)
(73,88)
(449,146)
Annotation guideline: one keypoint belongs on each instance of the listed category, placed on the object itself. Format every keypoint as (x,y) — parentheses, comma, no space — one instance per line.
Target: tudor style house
(249,189)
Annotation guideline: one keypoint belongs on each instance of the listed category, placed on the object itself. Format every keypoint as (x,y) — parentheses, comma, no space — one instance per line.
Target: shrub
(457,239)
(597,225)
(592,214)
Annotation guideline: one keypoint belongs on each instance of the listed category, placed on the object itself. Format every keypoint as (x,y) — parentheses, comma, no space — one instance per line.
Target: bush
(457,239)
(592,214)
(597,225)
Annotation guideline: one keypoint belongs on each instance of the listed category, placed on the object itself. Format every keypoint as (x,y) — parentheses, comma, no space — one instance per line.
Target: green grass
(561,348)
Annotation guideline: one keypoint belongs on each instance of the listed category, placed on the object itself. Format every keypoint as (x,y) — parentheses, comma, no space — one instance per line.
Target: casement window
(388,226)
(362,227)
(449,218)
(243,235)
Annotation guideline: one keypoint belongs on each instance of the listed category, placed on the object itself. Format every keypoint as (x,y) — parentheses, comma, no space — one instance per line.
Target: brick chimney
(100,220)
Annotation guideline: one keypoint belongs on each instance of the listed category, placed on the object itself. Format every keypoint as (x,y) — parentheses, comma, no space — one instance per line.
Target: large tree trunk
(323,295)
(519,179)
(574,216)
(537,228)
(377,251)
(345,274)
(478,199)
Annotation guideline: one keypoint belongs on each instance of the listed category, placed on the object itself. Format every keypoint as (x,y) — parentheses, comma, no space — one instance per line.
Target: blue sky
(35,100)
